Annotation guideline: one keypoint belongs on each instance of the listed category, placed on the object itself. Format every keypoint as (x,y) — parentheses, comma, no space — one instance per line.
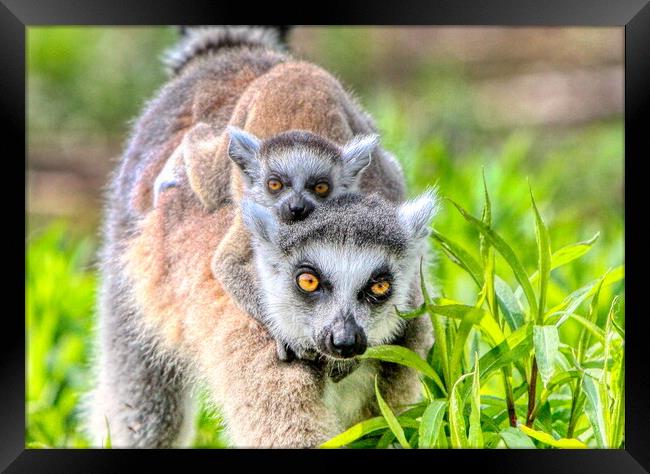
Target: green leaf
(516,439)
(595,407)
(475,431)
(459,256)
(546,438)
(412,314)
(546,341)
(388,414)
(507,253)
(544,258)
(470,318)
(588,325)
(571,302)
(514,347)
(363,428)
(355,432)
(402,355)
(431,423)
(571,252)
(456,418)
(509,305)
(453,309)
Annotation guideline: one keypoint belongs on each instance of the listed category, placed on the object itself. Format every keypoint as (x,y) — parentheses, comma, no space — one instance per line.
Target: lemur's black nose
(297,210)
(349,342)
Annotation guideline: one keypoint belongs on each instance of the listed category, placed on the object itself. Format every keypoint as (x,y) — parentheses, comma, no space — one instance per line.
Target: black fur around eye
(322,188)
(378,290)
(308,281)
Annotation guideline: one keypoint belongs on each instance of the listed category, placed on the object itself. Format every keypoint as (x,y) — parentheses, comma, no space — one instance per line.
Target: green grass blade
(575,299)
(403,356)
(509,304)
(415,313)
(507,253)
(459,256)
(516,439)
(471,317)
(514,347)
(456,418)
(595,407)
(544,258)
(475,432)
(388,414)
(569,253)
(455,310)
(431,423)
(355,432)
(548,439)
(546,341)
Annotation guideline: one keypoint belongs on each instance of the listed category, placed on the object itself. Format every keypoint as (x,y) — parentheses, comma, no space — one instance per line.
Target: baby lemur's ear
(356,153)
(417,213)
(242,150)
(259,220)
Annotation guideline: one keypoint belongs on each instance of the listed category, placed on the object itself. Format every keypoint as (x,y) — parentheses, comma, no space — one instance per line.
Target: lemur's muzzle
(345,338)
(296,209)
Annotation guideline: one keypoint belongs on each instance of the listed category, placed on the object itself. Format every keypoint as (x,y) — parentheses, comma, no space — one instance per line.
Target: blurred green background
(537,104)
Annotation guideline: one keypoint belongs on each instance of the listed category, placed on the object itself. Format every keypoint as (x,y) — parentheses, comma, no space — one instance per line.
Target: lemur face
(294,172)
(331,282)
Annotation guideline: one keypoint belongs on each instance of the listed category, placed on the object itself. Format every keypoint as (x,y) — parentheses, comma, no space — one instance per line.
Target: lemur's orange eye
(308,282)
(274,185)
(322,189)
(380,288)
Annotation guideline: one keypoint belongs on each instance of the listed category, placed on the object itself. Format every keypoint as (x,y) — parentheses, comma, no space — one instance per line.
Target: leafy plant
(500,373)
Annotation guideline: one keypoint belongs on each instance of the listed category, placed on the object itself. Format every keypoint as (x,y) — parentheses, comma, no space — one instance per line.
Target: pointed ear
(242,150)
(416,214)
(259,220)
(356,154)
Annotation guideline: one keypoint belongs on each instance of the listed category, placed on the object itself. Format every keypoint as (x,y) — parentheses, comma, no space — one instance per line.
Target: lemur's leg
(265,402)
(140,399)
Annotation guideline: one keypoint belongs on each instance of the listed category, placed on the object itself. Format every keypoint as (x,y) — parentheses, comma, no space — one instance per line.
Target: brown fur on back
(163,254)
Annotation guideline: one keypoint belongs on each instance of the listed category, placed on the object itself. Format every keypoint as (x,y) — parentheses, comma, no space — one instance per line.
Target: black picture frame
(633,15)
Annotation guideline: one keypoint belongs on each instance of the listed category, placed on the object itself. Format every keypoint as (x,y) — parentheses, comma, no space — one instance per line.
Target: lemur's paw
(284,352)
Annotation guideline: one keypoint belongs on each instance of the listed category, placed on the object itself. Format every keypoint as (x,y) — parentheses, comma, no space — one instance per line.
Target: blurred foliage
(90,82)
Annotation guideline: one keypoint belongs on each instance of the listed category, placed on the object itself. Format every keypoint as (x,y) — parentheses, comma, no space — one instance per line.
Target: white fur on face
(348,269)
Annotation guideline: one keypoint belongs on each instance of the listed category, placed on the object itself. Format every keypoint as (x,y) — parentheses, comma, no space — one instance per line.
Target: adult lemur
(166,318)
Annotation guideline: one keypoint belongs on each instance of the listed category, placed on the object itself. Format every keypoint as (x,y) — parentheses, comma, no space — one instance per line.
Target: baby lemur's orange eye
(308,282)
(274,185)
(380,288)
(322,189)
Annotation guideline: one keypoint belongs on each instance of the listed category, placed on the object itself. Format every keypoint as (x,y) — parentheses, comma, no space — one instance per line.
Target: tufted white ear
(259,220)
(242,150)
(356,153)
(417,213)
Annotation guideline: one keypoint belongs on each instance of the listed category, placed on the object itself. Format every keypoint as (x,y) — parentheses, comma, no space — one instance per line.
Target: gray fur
(141,396)
(299,160)
(345,241)
(200,40)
